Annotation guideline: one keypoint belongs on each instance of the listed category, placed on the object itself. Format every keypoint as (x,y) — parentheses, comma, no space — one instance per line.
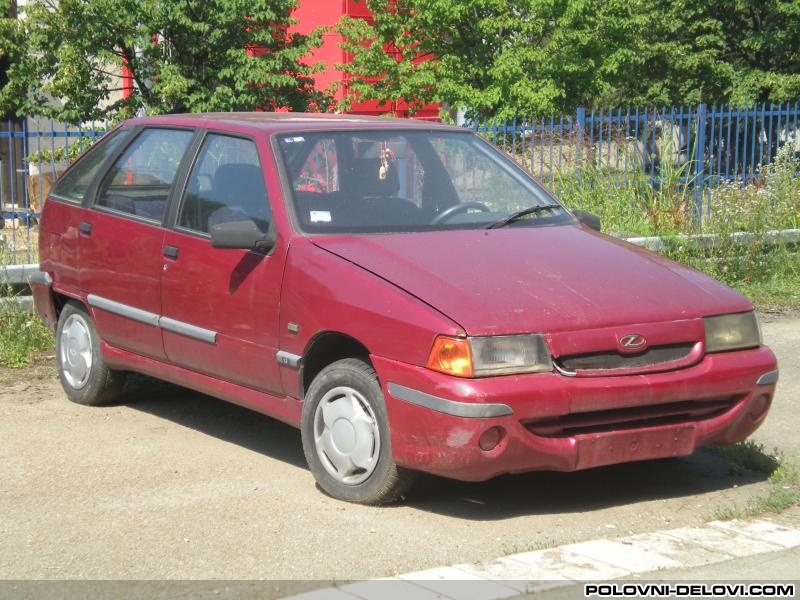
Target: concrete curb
(709,240)
(596,560)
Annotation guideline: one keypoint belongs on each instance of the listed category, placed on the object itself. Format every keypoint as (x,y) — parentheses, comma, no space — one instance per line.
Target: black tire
(97,385)
(385,482)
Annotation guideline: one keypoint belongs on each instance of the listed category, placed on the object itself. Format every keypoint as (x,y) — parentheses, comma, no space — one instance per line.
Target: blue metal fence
(697,146)
(33,153)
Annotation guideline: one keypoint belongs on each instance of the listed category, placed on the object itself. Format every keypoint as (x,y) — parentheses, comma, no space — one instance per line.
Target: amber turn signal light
(452,356)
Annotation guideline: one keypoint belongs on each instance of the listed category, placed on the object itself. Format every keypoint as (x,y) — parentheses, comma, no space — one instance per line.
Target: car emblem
(632,342)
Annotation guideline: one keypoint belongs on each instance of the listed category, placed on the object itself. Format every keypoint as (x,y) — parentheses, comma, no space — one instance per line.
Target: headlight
(732,332)
(491,355)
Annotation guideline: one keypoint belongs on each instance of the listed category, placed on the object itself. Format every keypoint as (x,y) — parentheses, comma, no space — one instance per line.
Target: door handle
(85,227)
(171,252)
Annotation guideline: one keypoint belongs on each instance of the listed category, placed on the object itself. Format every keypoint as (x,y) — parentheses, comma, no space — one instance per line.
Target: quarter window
(140,181)
(226,185)
(76,182)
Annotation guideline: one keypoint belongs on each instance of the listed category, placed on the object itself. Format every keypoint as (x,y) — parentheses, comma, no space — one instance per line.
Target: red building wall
(311,14)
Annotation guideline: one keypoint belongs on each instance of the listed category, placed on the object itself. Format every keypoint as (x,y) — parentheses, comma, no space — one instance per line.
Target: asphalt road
(175,485)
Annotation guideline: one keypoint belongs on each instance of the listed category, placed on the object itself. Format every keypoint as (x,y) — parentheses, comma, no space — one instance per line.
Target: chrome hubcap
(346,435)
(75,346)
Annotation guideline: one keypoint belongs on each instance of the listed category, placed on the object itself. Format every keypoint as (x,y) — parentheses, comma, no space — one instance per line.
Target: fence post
(580,122)
(699,183)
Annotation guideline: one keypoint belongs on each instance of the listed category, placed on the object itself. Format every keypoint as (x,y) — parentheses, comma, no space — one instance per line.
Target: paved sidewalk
(719,550)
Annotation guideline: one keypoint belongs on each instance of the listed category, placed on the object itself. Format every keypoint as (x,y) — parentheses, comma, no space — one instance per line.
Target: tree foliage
(539,57)
(184,55)
(8,39)
(716,51)
(493,56)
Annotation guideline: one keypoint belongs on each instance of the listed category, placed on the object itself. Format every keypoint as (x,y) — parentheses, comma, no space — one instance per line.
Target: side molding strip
(187,329)
(470,410)
(148,318)
(123,310)
(768,378)
(288,359)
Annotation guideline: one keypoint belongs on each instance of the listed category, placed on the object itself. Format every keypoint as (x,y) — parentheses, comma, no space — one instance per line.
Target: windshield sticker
(292,140)
(320,216)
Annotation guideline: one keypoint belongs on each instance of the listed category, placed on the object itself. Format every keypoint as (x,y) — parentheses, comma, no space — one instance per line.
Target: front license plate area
(609,448)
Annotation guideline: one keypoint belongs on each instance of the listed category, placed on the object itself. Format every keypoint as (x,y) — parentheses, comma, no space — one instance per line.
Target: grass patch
(769,274)
(783,482)
(544,543)
(22,334)
(749,455)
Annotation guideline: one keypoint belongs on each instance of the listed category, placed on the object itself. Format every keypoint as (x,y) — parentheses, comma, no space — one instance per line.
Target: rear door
(122,236)
(220,307)
(64,211)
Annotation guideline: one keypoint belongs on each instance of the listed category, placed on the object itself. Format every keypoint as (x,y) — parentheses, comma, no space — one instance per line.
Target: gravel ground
(176,485)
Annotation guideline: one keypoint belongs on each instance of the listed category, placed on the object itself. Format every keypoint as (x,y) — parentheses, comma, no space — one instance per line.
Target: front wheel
(346,436)
(83,374)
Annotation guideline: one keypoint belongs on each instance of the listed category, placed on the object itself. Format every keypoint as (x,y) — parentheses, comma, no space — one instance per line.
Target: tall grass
(767,272)
(22,333)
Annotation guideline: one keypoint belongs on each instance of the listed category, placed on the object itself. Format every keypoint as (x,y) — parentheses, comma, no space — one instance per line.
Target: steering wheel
(457,209)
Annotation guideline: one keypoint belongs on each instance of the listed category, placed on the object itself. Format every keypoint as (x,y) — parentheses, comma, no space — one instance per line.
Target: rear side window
(140,181)
(226,185)
(319,171)
(76,182)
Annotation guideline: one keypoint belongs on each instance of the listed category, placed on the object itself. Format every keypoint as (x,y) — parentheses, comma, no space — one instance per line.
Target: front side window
(226,185)
(140,181)
(74,184)
(393,181)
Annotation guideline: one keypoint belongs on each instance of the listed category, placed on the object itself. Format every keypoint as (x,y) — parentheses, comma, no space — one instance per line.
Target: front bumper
(443,437)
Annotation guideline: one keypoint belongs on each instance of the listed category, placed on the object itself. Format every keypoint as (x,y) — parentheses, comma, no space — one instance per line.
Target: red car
(402,292)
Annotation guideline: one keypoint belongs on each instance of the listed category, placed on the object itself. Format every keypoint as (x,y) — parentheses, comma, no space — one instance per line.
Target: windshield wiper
(531,210)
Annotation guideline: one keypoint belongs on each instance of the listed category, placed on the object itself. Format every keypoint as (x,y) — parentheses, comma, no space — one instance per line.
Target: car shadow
(501,498)
(214,417)
(548,492)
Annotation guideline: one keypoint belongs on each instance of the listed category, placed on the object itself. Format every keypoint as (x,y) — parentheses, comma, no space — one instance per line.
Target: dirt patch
(178,485)
(776,315)
(30,384)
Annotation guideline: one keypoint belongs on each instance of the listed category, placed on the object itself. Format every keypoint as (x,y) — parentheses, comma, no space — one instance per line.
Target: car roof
(272,122)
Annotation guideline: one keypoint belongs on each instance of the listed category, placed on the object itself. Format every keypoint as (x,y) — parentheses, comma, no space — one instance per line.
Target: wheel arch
(60,301)
(325,348)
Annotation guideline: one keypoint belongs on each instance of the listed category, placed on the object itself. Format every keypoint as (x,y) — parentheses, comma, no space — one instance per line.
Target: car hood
(540,279)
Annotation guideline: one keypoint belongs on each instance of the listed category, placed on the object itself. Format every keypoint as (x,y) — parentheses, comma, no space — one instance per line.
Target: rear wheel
(346,436)
(84,376)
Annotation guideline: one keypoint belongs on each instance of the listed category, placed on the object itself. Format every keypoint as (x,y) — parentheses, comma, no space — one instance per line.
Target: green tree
(493,57)
(714,51)
(9,41)
(540,57)
(184,55)
(677,58)
(762,44)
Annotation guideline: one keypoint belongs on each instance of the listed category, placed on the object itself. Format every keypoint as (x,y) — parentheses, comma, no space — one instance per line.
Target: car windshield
(393,181)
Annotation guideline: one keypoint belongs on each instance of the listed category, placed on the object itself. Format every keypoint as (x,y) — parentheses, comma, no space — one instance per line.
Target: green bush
(22,333)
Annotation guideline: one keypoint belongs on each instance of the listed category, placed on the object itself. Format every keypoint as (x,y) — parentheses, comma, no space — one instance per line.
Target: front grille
(609,360)
(631,418)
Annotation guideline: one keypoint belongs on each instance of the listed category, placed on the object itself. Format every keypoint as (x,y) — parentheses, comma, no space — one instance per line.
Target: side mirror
(242,235)
(588,219)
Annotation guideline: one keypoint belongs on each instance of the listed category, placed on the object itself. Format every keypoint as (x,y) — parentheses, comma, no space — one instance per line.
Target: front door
(121,239)
(220,307)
